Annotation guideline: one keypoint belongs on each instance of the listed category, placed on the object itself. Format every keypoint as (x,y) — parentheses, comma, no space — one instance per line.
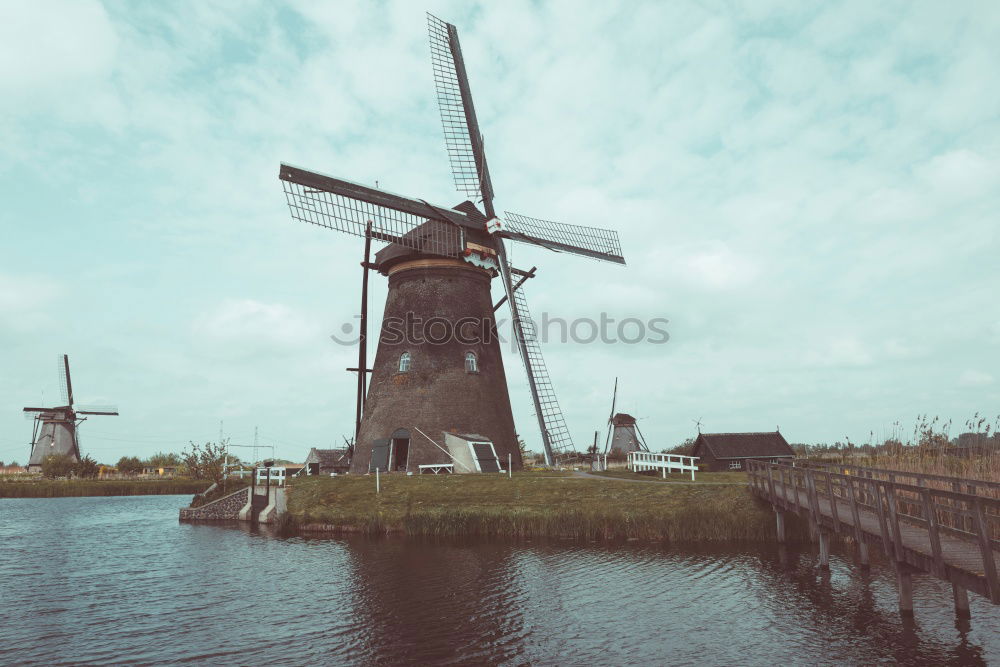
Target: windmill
(623,432)
(55,429)
(440,262)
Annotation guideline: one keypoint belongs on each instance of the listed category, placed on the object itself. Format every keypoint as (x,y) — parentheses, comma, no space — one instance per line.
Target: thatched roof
(328,458)
(743,445)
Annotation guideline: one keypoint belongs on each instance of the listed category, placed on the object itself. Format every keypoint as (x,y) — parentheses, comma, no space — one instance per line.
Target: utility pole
(363,337)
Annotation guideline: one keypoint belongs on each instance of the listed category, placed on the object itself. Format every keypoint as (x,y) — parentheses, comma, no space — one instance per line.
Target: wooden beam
(824,549)
(904,580)
(337,186)
(524,276)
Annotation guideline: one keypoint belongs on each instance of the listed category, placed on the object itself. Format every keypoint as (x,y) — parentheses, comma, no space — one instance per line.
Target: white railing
(277,476)
(641,461)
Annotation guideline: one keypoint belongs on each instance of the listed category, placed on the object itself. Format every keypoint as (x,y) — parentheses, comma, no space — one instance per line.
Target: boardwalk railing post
(814,503)
(859,535)
(989,564)
(897,538)
(833,503)
(930,514)
(883,526)
(770,484)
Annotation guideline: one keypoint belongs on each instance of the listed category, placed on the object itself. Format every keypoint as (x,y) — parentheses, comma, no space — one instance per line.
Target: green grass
(700,478)
(221,491)
(530,505)
(59,488)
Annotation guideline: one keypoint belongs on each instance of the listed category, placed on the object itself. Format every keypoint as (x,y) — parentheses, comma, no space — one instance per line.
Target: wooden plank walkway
(920,527)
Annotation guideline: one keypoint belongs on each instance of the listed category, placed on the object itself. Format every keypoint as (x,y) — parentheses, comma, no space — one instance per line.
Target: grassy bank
(700,478)
(59,488)
(530,505)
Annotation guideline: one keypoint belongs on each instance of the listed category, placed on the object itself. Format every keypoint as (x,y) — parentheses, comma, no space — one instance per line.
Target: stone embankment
(226,508)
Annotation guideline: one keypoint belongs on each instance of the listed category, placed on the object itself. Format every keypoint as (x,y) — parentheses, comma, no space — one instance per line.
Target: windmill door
(400,452)
(485,457)
(380,455)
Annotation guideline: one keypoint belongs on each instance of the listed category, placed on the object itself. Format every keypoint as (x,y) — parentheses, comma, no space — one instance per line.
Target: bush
(86,467)
(58,465)
(129,465)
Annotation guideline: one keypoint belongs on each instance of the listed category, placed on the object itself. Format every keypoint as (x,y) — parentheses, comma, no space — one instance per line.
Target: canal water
(119,580)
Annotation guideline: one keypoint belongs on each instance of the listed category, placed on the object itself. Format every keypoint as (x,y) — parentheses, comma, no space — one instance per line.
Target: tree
(86,467)
(163,460)
(57,465)
(206,461)
(129,465)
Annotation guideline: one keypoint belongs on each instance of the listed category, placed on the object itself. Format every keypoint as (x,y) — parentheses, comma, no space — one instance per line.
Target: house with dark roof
(326,461)
(729,451)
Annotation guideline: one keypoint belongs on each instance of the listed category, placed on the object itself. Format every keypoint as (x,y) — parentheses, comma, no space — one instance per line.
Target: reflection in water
(119,580)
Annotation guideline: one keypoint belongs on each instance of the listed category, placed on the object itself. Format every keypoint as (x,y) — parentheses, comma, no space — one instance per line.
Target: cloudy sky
(808,193)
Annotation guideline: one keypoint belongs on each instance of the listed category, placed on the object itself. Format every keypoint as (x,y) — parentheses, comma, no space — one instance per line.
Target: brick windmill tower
(438,394)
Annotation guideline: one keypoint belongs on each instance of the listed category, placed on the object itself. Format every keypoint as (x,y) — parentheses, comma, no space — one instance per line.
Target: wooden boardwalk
(943,526)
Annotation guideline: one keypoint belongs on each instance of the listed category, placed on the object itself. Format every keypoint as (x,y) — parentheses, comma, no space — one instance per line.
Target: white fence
(277,476)
(640,461)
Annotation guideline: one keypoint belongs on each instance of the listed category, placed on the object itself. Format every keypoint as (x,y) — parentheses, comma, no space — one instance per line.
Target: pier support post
(863,554)
(904,579)
(780,518)
(824,549)
(961,601)
(813,531)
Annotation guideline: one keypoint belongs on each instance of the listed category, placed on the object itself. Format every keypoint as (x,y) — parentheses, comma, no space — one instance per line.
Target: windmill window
(471,363)
(735,465)
(404,362)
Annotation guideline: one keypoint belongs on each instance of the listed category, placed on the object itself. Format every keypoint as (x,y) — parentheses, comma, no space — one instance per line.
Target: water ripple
(99,580)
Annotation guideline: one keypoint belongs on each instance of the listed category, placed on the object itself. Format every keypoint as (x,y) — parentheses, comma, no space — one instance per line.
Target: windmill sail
(464,143)
(592,242)
(462,137)
(349,207)
(557,438)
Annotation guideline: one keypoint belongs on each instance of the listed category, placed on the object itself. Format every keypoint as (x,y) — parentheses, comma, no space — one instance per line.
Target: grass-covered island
(23,486)
(532,504)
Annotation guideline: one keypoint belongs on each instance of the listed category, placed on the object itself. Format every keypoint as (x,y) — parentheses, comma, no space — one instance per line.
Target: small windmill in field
(55,429)
(623,432)
(440,262)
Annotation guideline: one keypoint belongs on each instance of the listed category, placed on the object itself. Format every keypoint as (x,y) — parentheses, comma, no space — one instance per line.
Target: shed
(472,452)
(728,451)
(326,461)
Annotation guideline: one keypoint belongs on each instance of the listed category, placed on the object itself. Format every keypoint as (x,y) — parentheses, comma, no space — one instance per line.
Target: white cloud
(799,190)
(26,302)
(719,268)
(254,324)
(974,378)
(846,350)
(48,46)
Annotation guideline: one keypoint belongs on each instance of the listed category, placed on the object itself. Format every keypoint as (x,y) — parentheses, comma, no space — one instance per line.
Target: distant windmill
(623,432)
(697,423)
(55,430)
(440,262)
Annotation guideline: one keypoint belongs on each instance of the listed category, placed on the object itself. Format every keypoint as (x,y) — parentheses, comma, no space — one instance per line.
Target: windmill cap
(622,419)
